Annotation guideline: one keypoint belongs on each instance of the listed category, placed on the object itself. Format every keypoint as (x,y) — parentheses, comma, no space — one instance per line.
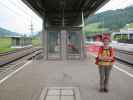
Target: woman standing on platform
(105,60)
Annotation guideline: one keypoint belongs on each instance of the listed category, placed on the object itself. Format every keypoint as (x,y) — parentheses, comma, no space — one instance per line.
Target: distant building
(20,41)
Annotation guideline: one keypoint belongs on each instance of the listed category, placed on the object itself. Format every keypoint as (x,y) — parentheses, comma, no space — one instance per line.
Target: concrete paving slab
(27,84)
(67,92)
(64,93)
(52,98)
(53,92)
(67,98)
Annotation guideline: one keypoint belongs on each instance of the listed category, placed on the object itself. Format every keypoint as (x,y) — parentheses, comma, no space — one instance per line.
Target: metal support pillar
(63,44)
(44,39)
(83,50)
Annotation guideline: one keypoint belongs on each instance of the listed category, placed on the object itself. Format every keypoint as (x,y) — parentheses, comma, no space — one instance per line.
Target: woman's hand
(106,58)
(110,58)
(102,58)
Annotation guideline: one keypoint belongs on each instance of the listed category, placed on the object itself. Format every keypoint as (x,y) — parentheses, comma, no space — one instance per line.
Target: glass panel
(73,45)
(54,45)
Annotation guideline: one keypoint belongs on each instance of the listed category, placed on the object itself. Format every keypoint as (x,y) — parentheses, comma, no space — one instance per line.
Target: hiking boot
(101,90)
(106,90)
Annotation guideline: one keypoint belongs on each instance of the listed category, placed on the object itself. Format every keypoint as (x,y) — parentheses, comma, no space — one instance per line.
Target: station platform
(29,82)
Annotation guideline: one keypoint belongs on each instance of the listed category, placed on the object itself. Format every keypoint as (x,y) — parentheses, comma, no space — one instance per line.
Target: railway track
(11,61)
(9,57)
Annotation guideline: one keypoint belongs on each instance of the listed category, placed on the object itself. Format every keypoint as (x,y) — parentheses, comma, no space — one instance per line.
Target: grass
(5,44)
(36,41)
(94,28)
(2,50)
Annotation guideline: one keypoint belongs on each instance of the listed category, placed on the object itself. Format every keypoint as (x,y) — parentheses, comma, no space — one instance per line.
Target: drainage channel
(60,93)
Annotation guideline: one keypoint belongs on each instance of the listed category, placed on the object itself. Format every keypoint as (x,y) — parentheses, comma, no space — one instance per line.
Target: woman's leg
(107,74)
(102,76)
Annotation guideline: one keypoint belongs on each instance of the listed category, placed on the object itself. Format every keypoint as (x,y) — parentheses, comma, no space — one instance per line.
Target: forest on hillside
(113,19)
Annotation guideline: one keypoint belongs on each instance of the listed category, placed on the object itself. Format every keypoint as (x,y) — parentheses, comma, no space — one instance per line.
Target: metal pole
(44,38)
(83,51)
(63,20)
(83,23)
(103,23)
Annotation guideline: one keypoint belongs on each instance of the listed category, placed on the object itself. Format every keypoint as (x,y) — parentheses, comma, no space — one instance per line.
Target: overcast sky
(115,4)
(16,16)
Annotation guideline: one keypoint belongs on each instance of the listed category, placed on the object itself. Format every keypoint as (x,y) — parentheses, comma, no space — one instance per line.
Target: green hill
(5,32)
(113,19)
(94,28)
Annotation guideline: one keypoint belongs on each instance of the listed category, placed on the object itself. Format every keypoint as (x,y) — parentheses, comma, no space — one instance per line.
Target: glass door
(73,45)
(54,45)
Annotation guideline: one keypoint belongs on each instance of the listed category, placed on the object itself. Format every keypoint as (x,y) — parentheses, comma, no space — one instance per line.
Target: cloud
(115,4)
(16,16)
